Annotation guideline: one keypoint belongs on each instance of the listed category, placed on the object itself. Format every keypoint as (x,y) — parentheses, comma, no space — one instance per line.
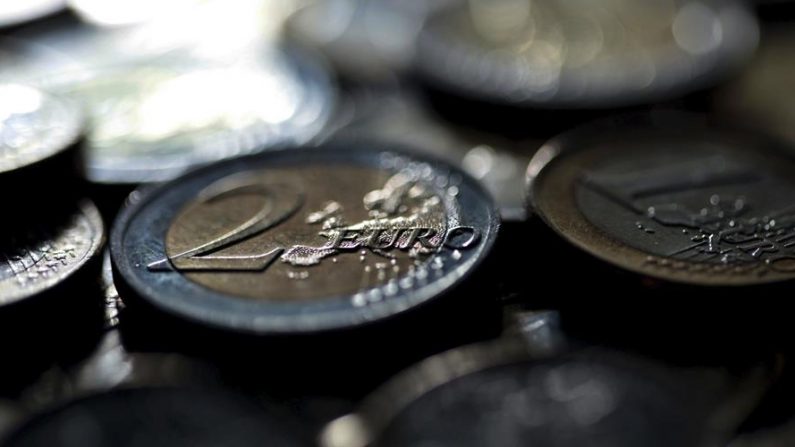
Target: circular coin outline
(174,294)
(555,203)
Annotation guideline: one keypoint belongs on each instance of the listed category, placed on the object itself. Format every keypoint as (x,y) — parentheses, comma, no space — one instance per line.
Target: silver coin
(160,109)
(123,13)
(35,126)
(553,54)
(42,250)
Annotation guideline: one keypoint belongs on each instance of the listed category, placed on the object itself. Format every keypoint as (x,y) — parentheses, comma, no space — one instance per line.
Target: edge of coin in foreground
(50,278)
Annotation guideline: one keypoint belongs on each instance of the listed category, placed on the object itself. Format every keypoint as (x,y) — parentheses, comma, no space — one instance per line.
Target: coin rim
(315,78)
(74,135)
(262,323)
(87,208)
(573,227)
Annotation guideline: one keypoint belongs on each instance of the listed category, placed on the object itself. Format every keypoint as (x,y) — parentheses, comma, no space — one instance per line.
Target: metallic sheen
(683,203)
(40,252)
(303,240)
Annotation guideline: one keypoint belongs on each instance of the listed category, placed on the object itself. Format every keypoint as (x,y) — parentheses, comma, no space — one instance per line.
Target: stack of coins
(53,235)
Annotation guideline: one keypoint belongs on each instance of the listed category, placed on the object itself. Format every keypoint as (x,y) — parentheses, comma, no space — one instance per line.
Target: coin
(767,438)
(564,55)
(160,417)
(42,250)
(160,106)
(676,200)
(15,13)
(498,394)
(304,239)
(35,126)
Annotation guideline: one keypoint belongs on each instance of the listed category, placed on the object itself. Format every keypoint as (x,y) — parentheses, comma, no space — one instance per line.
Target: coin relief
(39,255)
(313,232)
(704,211)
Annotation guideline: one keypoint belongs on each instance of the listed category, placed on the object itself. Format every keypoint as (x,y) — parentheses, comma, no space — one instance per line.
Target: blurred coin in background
(154,120)
(165,99)
(499,394)
(304,240)
(36,126)
(672,199)
(569,54)
(49,262)
(110,366)
(15,13)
